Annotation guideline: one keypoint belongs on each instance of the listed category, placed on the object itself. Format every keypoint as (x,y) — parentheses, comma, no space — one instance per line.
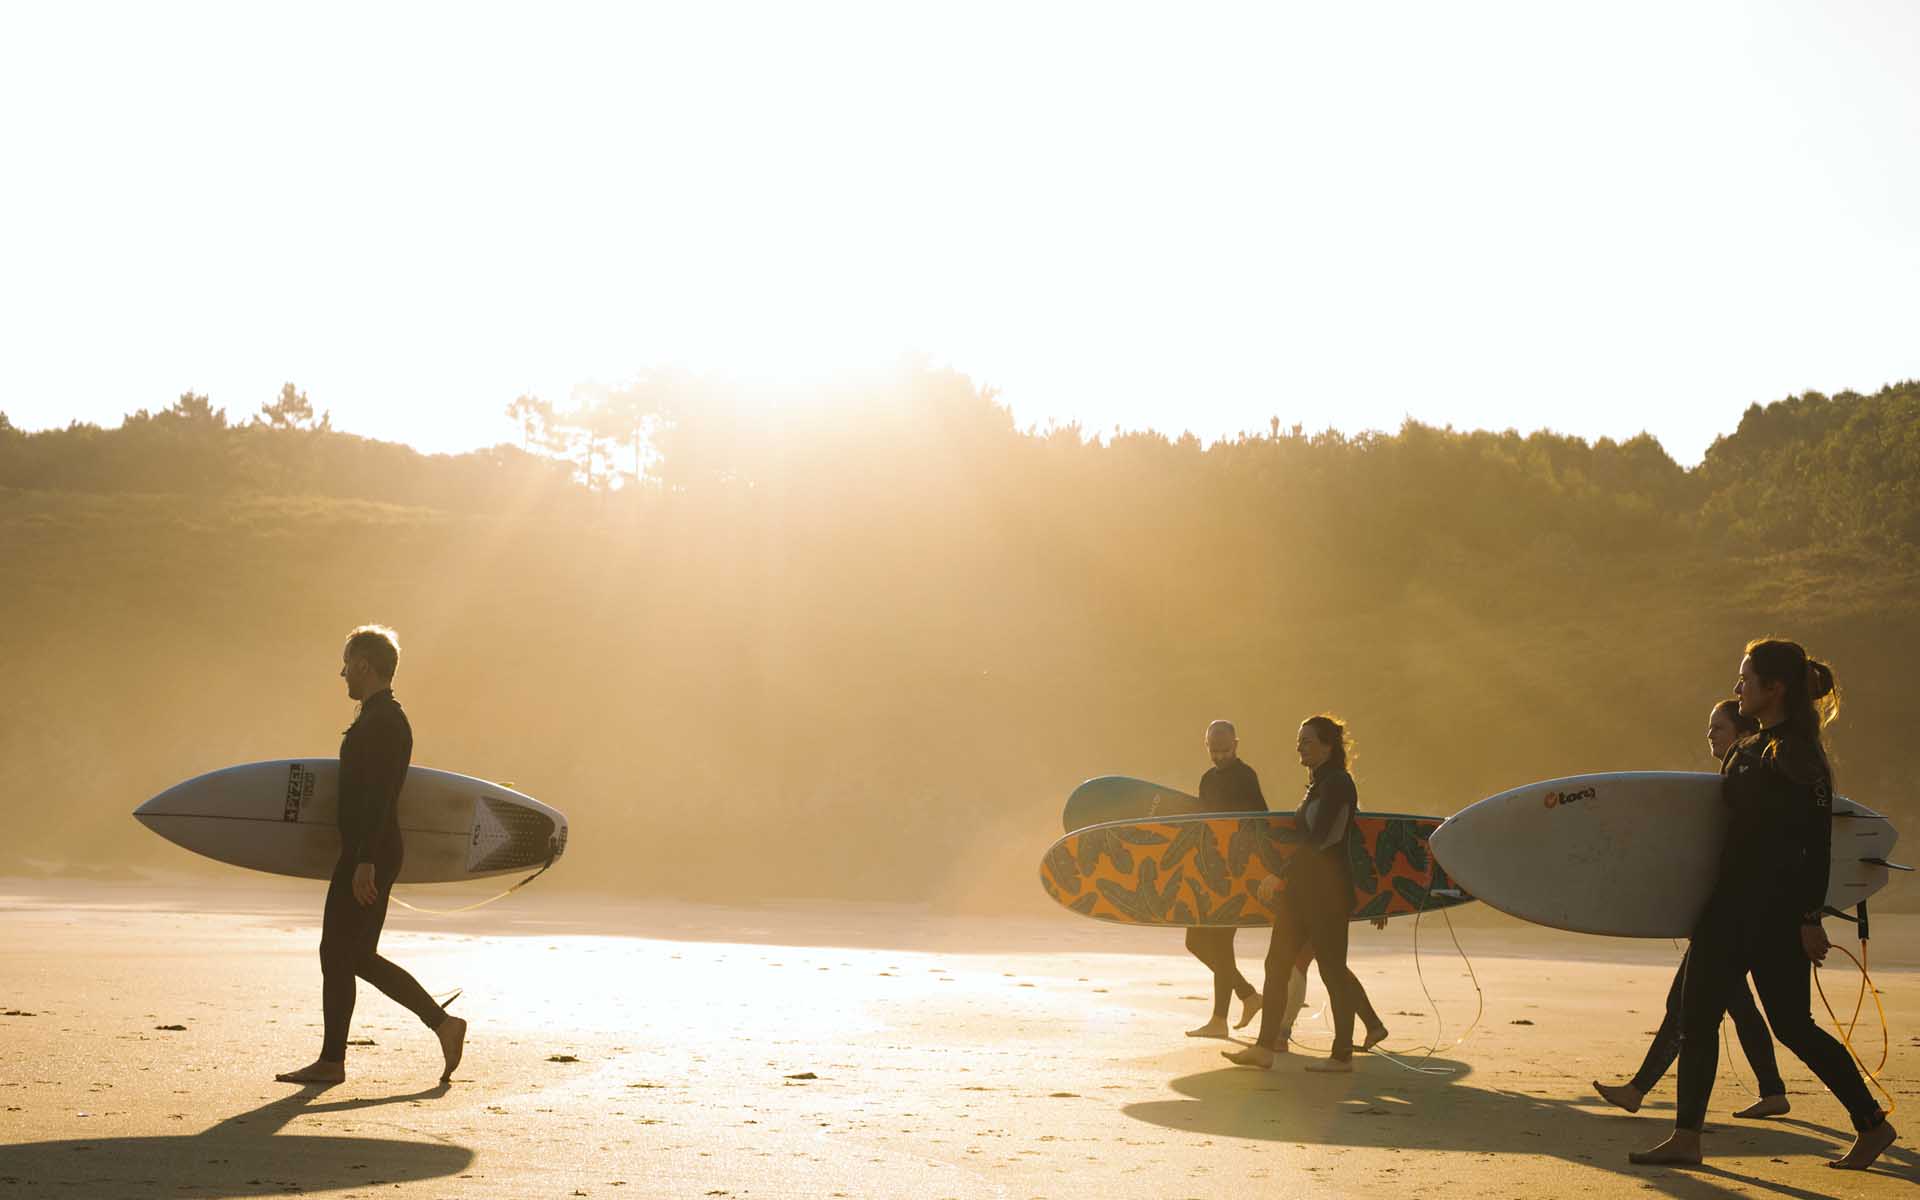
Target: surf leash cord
(553,853)
(1480,1000)
(1866,985)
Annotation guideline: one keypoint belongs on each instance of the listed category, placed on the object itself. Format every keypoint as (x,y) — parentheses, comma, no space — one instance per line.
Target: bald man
(1230,785)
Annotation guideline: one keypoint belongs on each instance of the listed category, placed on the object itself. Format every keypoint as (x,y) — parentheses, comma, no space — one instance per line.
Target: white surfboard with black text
(1631,853)
(281,817)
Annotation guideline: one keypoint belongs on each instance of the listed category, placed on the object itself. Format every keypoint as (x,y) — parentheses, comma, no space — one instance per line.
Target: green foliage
(1820,471)
(864,643)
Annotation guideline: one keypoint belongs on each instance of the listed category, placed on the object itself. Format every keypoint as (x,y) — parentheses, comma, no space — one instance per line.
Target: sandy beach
(626,1049)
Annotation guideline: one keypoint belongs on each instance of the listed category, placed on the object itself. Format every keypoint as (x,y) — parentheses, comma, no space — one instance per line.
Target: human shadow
(243,1155)
(1382,1107)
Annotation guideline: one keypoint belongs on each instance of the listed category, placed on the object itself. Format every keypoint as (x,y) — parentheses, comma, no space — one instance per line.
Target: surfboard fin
(1891,866)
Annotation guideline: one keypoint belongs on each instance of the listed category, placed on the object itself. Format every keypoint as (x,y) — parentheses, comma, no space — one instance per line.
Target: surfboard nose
(154,812)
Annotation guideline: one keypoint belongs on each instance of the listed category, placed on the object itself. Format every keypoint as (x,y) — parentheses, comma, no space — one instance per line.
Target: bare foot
(1250,1008)
(1766,1106)
(1375,1036)
(453,1042)
(1252,1056)
(1620,1095)
(1214,1028)
(317,1071)
(1867,1146)
(1331,1066)
(1681,1149)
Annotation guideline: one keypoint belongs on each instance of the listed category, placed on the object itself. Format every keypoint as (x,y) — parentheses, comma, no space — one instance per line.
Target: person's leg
(1284,944)
(1664,1048)
(1237,983)
(1714,964)
(1207,946)
(1757,1043)
(1329,934)
(1363,1009)
(341,935)
(1201,948)
(1782,974)
(397,983)
(343,939)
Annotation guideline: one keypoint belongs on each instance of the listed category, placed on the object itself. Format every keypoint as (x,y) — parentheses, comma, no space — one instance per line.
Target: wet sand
(622,1049)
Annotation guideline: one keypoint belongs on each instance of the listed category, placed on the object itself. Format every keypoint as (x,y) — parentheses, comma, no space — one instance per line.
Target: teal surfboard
(1119,798)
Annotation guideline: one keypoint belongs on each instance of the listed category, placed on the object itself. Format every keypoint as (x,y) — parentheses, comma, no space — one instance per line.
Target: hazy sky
(1599,218)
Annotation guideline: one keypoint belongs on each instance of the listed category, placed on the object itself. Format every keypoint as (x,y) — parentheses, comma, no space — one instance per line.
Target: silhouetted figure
(1725,726)
(1319,904)
(1230,785)
(1764,913)
(374,756)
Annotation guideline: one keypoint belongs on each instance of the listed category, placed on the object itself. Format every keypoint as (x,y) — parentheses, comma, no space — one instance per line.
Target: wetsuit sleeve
(1810,824)
(1256,800)
(1337,797)
(388,749)
(1208,787)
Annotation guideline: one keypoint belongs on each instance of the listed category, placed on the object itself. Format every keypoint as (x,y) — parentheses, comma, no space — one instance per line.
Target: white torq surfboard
(1631,854)
(280,817)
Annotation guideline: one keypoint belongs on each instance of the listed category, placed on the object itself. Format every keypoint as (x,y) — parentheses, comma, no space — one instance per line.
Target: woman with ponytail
(1764,914)
(1319,903)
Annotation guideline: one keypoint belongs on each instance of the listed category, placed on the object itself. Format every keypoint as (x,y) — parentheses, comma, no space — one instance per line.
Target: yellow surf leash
(553,854)
(1846,1031)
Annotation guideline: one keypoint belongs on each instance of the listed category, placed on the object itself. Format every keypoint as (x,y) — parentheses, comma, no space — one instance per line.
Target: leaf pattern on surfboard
(1399,840)
(1360,863)
(1146,901)
(1061,870)
(1172,870)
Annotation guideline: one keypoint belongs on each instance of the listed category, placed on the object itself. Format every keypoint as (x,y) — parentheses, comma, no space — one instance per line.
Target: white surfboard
(280,817)
(1631,854)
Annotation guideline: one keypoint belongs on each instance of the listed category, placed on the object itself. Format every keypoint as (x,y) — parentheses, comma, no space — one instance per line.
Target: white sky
(1599,218)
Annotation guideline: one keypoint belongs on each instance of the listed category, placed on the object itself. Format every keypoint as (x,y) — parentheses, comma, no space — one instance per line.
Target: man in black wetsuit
(374,756)
(1230,785)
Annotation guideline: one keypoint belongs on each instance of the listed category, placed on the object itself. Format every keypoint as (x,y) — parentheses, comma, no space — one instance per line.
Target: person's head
(1323,739)
(1780,685)
(1222,742)
(1725,726)
(368,660)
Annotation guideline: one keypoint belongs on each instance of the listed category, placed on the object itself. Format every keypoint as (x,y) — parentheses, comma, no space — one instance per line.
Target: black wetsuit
(1232,788)
(374,756)
(1747,1022)
(1319,903)
(1773,877)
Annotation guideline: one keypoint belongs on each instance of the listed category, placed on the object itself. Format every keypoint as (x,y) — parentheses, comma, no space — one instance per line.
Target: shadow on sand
(244,1155)
(1382,1107)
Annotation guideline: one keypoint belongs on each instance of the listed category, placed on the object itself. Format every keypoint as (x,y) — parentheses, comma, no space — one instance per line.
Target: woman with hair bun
(1725,726)
(1764,913)
(1319,903)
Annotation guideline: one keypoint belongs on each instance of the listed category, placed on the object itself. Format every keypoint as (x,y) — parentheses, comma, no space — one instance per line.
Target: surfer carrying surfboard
(1764,913)
(1319,904)
(1725,726)
(1229,785)
(374,756)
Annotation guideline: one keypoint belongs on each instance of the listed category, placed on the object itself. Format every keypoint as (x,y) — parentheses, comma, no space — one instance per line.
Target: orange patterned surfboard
(1202,870)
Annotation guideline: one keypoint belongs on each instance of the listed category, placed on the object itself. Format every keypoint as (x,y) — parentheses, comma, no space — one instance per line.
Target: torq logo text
(1555,799)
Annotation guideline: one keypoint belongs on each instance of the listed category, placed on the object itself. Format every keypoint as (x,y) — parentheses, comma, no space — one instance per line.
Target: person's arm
(389,750)
(1809,823)
(1336,798)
